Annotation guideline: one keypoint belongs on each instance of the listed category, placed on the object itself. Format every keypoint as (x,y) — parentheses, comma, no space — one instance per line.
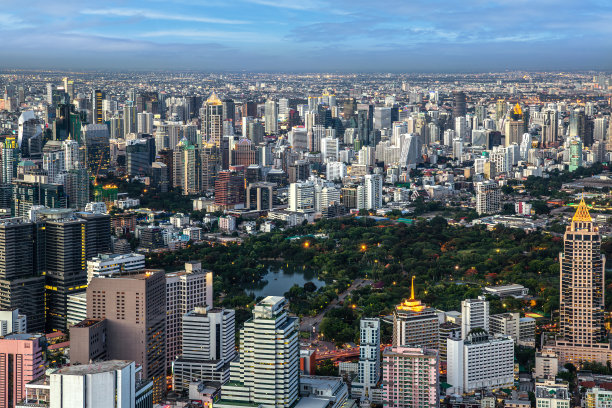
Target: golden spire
(213,99)
(411,304)
(412,289)
(582,213)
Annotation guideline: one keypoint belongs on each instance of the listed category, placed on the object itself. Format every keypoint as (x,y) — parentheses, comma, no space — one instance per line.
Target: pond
(278,281)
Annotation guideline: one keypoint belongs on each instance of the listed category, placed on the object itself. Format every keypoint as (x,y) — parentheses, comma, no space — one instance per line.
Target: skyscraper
(410,378)
(459,108)
(187,168)
(134,307)
(185,290)
(271,117)
(369,355)
(267,371)
(97,96)
(581,321)
(212,120)
(414,324)
(488,197)
(208,337)
(97,145)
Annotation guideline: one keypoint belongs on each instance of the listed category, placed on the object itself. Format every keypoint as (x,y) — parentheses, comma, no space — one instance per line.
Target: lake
(278,281)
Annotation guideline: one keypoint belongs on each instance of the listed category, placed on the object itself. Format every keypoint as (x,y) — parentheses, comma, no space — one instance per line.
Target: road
(307,323)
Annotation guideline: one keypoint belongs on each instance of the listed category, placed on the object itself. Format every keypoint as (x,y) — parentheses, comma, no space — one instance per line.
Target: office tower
(212,120)
(363,127)
(410,377)
(185,290)
(369,352)
(575,151)
(447,329)
(29,136)
(480,362)
(369,195)
(134,307)
(11,321)
(76,187)
(97,233)
(382,118)
(458,149)
(414,324)
(582,311)
(229,112)
(230,189)
(269,339)
(208,339)
(550,127)
(301,197)
(77,312)
(129,119)
(65,269)
(461,129)
(487,197)
(21,361)
(21,282)
(271,117)
(9,160)
(30,193)
(350,106)
(210,165)
(97,146)
(144,123)
(515,126)
(577,124)
(160,176)
(114,264)
(187,168)
(113,383)
(459,104)
(474,315)
(260,196)
(97,117)
(49,93)
(243,153)
(138,154)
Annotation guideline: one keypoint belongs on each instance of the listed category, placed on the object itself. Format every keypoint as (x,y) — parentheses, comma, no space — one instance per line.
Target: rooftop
(95,368)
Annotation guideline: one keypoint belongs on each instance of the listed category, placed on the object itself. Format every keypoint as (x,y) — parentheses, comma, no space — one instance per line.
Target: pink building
(410,377)
(21,361)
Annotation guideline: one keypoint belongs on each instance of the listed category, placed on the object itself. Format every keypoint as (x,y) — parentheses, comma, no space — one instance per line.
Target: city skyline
(262,35)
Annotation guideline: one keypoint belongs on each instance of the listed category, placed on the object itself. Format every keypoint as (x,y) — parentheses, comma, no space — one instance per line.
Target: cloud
(12,22)
(155,15)
(198,34)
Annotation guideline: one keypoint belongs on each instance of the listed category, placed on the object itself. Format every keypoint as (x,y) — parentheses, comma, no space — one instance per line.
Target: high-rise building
(212,120)
(459,100)
(575,151)
(129,119)
(474,315)
(271,117)
(11,321)
(21,361)
(488,197)
(515,126)
(185,290)
(144,123)
(9,160)
(410,378)
(369,195)
(229,188)
(97,145)
(187,168)
(134,307)
(243,153)
(480,362)
(113,383)
(268,340)
(97,117)
(302,197)
(582,311)
(208,338)
(114,264)
(414,324)
(368,372)
(21,281)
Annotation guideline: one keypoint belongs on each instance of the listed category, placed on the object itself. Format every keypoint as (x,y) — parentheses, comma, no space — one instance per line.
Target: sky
(307,35)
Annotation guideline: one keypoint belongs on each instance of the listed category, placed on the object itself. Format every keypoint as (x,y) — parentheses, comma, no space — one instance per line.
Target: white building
(97,207)
(227,223)
(474,315)
(76,308)
(185,290)
(268,369)
(208,347)
(335,171)
(479,362)
(546,365)
(100,385)
(330,389)
(369,195)
(597,398)
(12,322)
(302,197)
(369,353)
(487,197)
(550,394)
(114,264)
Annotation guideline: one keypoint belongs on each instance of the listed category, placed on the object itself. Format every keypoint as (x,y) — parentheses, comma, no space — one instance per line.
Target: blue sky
(307,35)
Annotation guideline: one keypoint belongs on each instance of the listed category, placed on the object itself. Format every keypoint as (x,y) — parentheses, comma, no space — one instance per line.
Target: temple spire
(412,289)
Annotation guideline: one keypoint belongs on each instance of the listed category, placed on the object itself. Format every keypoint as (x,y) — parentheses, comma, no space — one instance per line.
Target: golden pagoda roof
(213,99)
(582,213)
(412,304)
(517,109)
